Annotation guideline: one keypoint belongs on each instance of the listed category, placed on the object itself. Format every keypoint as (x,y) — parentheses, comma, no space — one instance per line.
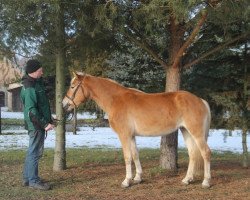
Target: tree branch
(190,39)
(218,48)
(144,45)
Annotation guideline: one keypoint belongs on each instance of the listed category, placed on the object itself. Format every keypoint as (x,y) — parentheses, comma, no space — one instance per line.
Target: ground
(93,180)
(103,182)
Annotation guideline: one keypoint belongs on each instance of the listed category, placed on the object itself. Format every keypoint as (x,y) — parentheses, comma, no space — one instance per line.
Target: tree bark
(169,143)
(190,39)
(60,152)
(245,110)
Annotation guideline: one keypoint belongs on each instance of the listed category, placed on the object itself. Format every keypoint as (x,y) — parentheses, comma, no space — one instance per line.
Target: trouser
(34,153)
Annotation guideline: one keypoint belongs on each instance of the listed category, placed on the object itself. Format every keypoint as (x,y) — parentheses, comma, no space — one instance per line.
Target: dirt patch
(101,180)
(230,181)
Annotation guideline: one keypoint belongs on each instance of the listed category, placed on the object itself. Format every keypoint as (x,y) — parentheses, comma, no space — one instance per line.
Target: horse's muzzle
(66,106)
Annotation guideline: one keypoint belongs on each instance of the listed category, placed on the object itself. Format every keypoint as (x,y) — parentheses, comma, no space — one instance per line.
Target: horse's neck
(103,91)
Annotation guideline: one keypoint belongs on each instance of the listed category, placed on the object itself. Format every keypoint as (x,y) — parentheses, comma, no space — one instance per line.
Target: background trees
(150,45)
(25,27)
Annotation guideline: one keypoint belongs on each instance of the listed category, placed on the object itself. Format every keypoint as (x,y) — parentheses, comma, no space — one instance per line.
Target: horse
(133,113)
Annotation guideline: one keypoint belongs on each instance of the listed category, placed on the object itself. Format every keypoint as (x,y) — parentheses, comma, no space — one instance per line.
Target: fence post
(75,121)
(1,105)
(0,120)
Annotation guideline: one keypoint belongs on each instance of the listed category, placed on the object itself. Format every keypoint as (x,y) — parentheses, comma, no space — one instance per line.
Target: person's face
(38,73)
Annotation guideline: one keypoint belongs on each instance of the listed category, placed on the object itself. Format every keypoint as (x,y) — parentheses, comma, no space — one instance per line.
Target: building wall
(11,99)
(2,99)
(16,102)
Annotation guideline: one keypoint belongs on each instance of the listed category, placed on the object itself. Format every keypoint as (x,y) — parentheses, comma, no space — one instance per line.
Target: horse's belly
(155,130)
(154,134)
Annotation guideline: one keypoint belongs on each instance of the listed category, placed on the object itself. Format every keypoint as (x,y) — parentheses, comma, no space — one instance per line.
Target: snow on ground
(105,137)
(10,115)
(220,140)
(19,115)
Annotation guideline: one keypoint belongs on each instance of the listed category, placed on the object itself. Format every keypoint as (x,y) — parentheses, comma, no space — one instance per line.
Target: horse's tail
(207,120)
(193,150)
(194,153)
(199,166)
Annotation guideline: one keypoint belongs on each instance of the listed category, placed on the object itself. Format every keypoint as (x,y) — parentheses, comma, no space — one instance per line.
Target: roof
(9,73)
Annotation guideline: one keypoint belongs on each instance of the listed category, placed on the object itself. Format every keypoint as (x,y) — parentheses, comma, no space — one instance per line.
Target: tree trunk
(244,146)
(169,144)
(60,152)
(245,110)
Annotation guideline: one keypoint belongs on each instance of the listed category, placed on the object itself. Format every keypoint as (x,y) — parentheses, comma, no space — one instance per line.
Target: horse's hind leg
(135,155)
(206,154)
(190,144)
(199,157)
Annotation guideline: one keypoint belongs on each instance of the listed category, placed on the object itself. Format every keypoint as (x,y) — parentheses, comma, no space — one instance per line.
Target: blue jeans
(34,153)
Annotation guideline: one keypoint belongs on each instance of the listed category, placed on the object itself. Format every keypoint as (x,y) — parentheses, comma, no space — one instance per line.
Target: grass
(79,156)
(97,174)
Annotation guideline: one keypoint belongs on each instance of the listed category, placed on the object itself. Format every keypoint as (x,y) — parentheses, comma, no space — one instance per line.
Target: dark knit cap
(32,66)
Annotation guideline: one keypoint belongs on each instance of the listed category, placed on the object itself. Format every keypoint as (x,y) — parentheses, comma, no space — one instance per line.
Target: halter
(74,93)
(72,99)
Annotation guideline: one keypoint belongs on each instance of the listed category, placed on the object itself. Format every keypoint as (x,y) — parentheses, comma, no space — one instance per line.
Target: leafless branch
(190,39)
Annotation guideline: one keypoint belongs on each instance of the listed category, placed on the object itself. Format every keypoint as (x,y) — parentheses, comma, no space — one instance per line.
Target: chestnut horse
(134,113)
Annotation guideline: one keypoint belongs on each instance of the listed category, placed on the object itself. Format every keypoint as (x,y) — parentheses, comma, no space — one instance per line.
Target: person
(38,121)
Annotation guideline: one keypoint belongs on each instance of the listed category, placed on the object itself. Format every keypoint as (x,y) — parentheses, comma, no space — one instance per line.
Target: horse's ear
(79,74)
(74,74)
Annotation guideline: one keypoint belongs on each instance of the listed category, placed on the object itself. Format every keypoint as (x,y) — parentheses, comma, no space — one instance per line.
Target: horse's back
(181,100)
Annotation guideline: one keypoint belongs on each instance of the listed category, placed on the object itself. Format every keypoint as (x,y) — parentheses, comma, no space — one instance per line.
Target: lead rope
(56,121)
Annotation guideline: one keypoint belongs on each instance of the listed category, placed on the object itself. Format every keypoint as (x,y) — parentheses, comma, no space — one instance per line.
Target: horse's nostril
(66,107)
(65,104)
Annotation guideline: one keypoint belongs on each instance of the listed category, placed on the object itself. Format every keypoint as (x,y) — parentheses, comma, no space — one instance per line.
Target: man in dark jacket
(38,121)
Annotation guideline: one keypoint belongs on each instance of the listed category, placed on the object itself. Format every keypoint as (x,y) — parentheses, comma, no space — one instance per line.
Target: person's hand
(49,127)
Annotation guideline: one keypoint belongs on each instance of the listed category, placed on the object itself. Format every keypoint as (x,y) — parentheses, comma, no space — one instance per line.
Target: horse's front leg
(126,146)
(135,155)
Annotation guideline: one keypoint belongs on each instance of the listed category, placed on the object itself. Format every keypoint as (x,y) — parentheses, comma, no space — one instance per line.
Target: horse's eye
(72,87)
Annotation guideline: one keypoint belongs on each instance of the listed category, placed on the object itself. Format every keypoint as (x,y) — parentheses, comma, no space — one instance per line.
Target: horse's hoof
(205,185)
(184,182)
(187,181)
(125,184)
(137,181)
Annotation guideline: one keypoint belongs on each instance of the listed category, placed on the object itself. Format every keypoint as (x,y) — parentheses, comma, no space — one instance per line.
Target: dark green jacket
(37,112)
